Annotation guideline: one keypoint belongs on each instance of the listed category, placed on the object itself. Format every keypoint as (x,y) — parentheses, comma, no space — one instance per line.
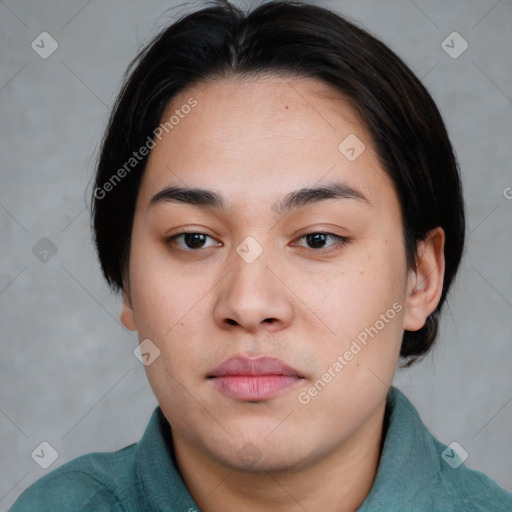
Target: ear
(127,316)
(425,282)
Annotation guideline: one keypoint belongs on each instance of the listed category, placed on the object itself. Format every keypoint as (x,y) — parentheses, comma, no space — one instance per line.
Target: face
(279,321)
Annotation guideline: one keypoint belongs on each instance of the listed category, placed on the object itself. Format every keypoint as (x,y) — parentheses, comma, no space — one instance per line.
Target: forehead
(258,138)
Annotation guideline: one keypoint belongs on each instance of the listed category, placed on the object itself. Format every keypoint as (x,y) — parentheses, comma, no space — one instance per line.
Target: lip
(254,379)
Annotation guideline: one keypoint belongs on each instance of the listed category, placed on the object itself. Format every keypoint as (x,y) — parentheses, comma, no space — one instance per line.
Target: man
(279,204)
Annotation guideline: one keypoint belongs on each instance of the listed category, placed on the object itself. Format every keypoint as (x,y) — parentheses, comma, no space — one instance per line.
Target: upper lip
(262,365)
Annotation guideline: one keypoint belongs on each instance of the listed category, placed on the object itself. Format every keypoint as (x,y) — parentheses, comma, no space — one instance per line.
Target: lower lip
(254,387)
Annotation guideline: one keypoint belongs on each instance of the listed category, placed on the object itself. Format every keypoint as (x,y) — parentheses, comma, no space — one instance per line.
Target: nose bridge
(252,294)
(250,267)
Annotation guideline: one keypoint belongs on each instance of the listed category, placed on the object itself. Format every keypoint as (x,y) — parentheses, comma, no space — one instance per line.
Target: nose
(254,296)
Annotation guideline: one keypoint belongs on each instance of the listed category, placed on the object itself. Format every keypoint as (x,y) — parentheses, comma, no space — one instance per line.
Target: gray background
(67,369)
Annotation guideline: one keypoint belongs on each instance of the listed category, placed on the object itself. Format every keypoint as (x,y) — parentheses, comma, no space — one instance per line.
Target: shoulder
(469,489)
(437,478)
(98,481)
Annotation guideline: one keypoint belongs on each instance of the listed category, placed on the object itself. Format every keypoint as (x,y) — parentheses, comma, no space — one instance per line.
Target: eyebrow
(205,198)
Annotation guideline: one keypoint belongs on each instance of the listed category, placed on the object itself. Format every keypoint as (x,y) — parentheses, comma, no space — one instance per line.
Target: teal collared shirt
(415,474)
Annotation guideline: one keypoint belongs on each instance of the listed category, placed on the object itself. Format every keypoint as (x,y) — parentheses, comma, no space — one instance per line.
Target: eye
(193,240)
(317,240)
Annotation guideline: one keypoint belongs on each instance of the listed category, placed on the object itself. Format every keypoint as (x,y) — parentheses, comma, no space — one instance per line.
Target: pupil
(316,239)
(191,239)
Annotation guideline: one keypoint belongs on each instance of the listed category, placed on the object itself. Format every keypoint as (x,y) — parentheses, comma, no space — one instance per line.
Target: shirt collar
(409,466)
(160,486)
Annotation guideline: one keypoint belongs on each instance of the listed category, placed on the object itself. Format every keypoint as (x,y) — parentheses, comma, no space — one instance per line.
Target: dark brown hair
(295,38)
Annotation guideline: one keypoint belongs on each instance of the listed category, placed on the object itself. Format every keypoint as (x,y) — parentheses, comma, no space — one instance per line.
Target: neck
(339,482)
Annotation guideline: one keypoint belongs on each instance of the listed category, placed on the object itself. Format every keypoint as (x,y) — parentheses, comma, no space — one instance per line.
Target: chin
(252,460)
(256,452)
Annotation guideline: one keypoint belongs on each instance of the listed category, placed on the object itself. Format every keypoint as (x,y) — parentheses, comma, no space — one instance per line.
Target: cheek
(168,307)
(364,306)
(172,312)
(354,298)
(356,365)
(169,311)
(160,295)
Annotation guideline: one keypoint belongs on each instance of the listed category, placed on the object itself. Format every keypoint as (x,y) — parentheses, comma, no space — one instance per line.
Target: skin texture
(255,140)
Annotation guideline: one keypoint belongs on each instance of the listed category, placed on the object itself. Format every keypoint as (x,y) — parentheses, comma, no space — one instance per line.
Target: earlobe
(127,316)
(425,284)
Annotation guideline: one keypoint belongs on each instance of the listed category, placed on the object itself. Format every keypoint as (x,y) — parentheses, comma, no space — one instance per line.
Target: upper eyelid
(177,235)
(314,232)
(339,238)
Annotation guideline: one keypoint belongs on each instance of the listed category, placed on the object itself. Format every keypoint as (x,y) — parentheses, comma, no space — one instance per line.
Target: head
(317,174)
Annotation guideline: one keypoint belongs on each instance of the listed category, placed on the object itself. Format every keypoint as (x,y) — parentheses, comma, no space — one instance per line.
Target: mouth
(254,379)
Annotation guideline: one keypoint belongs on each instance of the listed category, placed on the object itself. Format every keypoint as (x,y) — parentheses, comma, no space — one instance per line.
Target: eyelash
(341,240)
